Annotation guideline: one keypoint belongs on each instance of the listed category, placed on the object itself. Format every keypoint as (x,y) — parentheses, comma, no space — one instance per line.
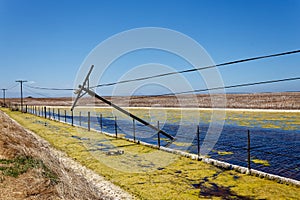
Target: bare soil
(285,100)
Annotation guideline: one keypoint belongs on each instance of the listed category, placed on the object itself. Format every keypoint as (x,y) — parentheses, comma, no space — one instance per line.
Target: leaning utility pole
(21,82)
(4,97)
(85,89)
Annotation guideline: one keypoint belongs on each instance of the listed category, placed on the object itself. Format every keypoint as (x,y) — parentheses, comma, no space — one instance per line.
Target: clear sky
(46,41)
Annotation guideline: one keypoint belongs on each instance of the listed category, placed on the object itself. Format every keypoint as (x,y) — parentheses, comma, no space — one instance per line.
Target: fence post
(65,116)
(49,113)
(79,118)
(89,121)
(58,114)
(116,127)
(101,126)
(158,135)
(53,113)
(72,118)
(45,112)
(248,151)
(39,111)
(198,141)
(26,108)
(133,127)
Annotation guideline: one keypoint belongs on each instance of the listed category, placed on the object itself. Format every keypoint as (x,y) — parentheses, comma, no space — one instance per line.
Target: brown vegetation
(286,100)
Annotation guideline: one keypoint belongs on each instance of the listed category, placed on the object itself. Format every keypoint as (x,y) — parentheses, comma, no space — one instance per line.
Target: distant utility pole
(4,96)
(21,82)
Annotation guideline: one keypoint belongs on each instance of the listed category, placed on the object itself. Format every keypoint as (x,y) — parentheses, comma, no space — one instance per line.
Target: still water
(274,136)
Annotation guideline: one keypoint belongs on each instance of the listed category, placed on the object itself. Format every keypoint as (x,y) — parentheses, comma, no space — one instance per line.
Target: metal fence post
(158,135)
(198,141)
(58,114)
(89,121)
(49,113)
(116,127)
(72,118)
(248,151)
(53,114)
(45,112)
(79,118)
(133,127)
(65,116)
(101,125)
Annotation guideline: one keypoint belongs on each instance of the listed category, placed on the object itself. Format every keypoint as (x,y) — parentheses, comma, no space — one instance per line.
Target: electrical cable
(36,92)
(179,72)
(225,87)
(200,68)
(45,88)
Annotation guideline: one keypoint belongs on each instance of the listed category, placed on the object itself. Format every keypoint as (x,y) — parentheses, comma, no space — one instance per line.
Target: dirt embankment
(284,100)
(31,169)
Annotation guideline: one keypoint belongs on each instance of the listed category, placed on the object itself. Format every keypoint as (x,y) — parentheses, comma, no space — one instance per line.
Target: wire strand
(32,92)
(225,87)
(45,88)
(200,68)
(179,72)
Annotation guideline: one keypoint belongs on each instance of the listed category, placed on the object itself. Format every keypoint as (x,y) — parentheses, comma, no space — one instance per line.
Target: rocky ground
(31,169)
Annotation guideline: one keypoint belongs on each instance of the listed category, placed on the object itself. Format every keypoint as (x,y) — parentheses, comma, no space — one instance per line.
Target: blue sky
(46,41)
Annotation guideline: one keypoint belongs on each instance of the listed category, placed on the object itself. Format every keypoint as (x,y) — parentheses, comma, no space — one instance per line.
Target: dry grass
(21,176)
(285,100)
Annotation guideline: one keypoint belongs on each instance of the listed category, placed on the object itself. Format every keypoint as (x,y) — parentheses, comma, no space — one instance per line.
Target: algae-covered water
(274,136)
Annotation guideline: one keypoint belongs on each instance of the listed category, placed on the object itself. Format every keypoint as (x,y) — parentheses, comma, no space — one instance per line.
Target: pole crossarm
(86,81)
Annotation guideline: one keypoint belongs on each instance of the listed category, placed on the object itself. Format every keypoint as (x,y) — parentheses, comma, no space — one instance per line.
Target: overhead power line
(227,87)
(200,68)
(45,88)
(179,72)
(36,93)
(12,86)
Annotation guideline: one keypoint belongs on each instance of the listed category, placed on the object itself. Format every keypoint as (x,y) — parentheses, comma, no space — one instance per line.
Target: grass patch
(148,173)
(21,164)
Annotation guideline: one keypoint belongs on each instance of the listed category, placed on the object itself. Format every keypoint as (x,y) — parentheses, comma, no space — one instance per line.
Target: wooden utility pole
(4,96)
(85,88)
(21,83)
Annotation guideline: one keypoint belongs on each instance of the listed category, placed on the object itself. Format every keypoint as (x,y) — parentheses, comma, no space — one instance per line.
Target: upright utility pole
(21,83)
(4,96)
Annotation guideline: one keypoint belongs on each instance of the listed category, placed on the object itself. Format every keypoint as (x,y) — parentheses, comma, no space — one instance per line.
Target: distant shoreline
(183,108)
(285,101)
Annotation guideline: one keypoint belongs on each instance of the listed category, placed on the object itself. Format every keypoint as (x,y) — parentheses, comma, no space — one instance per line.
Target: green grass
(21,164)
(149,173)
